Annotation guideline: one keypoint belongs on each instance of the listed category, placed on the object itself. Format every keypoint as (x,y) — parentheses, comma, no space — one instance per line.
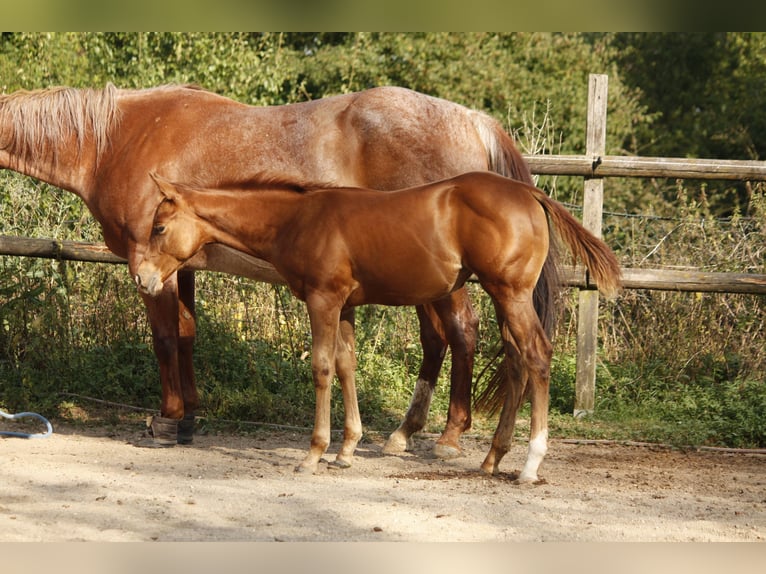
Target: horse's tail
(504,158)
(601,262)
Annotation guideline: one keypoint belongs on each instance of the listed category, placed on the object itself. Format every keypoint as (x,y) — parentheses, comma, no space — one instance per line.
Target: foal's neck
(247,220)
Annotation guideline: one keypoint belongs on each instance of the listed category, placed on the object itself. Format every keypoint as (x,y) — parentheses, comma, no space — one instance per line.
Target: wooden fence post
(593,196)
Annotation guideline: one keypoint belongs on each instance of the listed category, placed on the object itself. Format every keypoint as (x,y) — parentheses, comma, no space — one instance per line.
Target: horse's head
(177,235)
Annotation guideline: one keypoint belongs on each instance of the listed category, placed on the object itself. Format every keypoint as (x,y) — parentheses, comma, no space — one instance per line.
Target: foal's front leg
(324,332)
(345,366)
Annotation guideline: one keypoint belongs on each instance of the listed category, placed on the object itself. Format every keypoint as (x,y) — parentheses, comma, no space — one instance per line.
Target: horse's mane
(38,118)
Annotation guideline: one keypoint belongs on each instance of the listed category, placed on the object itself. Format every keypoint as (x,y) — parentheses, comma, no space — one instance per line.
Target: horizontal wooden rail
(627,166)
(54,249)
(675,280)
(660,279)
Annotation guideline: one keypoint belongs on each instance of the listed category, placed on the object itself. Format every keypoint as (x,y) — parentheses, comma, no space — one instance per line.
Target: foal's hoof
(306,468)
(445,451)
(339,464)
(528,479)
(151,442)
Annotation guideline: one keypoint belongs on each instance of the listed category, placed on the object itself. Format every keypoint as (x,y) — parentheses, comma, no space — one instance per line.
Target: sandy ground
(94,485)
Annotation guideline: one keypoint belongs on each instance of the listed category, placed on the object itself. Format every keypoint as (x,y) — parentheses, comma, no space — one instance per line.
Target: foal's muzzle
(148,283)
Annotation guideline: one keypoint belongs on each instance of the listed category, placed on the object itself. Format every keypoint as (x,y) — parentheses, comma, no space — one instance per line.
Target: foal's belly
(414,286)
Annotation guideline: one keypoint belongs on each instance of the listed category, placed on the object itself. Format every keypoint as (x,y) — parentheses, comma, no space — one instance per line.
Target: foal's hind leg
(523,334)
(515,389)
(345,366)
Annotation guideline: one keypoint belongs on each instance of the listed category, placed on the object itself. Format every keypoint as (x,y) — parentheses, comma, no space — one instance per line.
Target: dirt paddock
(94,485)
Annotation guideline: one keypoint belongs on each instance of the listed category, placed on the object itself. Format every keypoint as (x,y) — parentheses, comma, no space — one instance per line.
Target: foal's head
(177,235)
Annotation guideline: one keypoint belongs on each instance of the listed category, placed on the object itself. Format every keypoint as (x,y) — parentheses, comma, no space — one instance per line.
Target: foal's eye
(158,230)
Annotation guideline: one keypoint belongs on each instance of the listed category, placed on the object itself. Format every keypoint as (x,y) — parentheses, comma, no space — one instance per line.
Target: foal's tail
(504,158)
(602,265)
(601,262)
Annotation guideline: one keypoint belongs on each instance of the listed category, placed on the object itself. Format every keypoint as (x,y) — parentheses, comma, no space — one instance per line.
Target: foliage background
(677,367)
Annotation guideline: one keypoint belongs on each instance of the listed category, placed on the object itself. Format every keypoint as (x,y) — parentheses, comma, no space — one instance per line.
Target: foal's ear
(167,189)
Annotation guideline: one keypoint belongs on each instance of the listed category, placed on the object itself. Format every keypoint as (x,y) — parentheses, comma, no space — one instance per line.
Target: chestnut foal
(338,248)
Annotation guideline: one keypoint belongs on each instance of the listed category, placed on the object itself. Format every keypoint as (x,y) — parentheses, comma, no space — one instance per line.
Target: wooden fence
(593,167)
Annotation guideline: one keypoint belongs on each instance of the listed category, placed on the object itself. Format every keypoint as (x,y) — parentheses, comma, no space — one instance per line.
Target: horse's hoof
(340,464)
(397,443)
(161,432)
(186,430)
(446,452)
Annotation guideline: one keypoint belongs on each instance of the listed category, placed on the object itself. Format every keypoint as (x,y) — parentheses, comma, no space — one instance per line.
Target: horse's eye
(158,230)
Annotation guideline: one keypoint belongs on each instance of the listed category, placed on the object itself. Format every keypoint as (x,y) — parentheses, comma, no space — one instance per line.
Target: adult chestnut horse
(102,144)
(339,248)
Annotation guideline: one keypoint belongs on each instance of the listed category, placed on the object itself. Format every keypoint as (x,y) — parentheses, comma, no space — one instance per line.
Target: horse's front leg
(163,316)
(324,332)
(187,332)
(345,366)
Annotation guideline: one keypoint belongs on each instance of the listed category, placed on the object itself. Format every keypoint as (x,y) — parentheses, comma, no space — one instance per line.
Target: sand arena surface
(94,485)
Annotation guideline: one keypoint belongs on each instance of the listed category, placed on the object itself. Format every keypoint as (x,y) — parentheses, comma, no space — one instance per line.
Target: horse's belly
(217,257)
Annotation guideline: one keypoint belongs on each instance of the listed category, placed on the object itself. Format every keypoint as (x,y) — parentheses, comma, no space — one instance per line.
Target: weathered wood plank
(597,165)
(633,278)
(593,199)
(54,249)
(698,281)
(674,280)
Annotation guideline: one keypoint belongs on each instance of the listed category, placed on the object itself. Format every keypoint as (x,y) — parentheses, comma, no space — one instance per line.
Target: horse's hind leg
(460,324)
(451,321)
(345,366)
(434,347)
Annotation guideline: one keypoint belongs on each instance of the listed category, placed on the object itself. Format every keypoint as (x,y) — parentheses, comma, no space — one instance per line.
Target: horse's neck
(64,170)
(62,156)
(247,220)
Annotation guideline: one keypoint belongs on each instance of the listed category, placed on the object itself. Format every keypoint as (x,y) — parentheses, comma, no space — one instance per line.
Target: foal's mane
(265,181)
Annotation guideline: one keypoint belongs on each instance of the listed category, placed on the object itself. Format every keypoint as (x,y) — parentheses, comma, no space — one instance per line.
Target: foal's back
(419,244)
